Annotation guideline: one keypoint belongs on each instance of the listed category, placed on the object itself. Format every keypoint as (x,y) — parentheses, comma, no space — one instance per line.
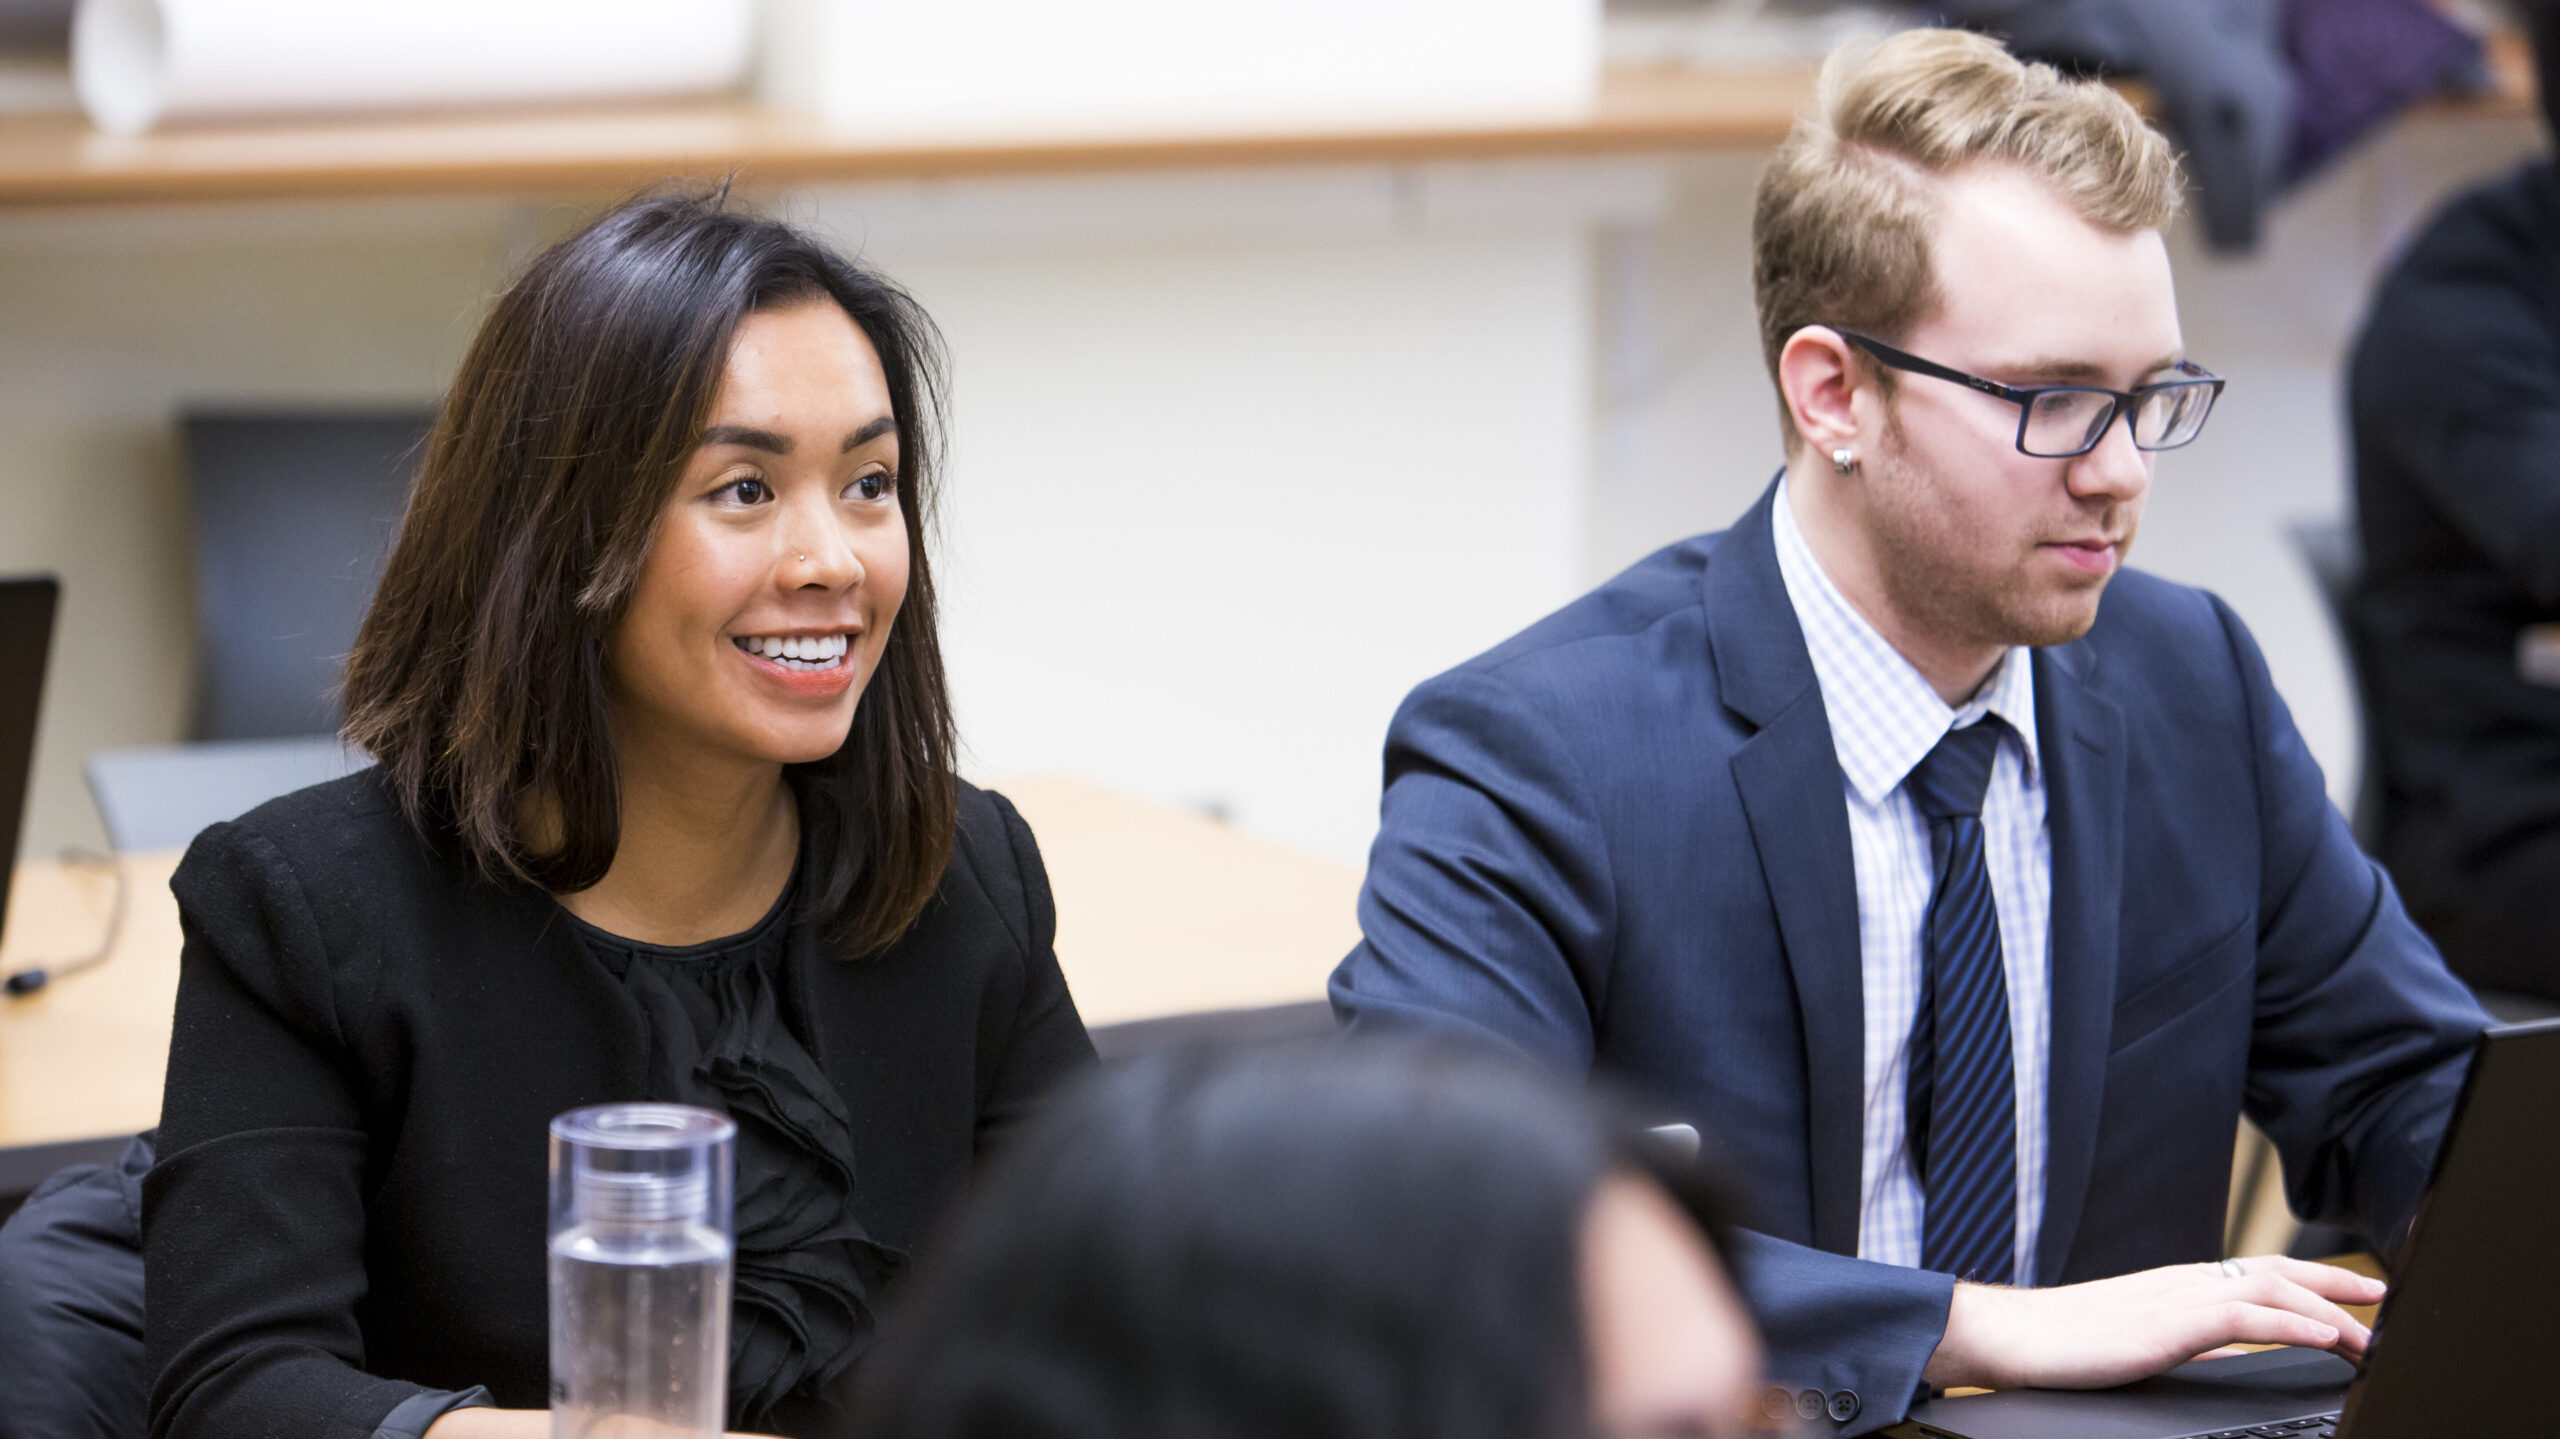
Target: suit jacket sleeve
(1038,1039)
(2360,1036)
(2459,382)
(1488,908)
(1489,911)
(253,1218)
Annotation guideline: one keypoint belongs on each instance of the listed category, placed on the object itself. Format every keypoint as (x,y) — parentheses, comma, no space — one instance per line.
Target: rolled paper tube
(140,63)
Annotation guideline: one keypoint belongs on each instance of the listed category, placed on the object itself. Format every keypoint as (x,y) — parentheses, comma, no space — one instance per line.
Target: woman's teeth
(798,652)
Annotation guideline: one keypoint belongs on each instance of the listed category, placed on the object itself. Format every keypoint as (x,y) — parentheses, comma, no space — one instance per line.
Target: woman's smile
(818,664)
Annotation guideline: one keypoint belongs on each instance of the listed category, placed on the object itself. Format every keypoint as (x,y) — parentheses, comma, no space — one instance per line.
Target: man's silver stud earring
(1843,460)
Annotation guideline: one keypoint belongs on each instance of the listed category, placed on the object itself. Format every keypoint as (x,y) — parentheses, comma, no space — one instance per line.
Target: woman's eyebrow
(753,439)
(778,444)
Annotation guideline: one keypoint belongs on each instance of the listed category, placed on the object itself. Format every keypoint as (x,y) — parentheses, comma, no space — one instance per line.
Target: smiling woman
(664,810)
(681,399)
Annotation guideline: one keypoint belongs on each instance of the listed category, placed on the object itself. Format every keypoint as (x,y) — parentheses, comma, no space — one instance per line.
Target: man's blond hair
(1840,231)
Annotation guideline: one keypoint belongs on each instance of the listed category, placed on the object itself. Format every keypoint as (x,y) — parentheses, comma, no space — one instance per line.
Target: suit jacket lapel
(1793,797)
(2081,737)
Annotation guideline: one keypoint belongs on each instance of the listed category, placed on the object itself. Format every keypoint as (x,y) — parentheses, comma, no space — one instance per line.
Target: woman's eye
(873,486)
(749,491)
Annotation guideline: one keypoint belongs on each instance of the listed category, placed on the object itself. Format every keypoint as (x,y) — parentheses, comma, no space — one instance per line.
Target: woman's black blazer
(371,1042)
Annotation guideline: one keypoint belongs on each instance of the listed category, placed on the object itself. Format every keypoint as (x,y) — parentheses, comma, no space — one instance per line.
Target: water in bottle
(640,1269)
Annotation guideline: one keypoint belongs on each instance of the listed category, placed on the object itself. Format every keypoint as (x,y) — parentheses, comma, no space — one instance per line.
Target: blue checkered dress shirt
(1884,718)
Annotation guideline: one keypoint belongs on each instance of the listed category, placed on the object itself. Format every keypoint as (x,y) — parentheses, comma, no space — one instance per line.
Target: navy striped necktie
(1962,1120)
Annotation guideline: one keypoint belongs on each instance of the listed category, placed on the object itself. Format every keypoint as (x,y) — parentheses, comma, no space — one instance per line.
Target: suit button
(1810,1404)
(1778,1403)
(1844,1405)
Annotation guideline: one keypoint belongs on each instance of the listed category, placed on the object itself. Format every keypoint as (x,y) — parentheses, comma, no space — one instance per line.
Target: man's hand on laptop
(2114,1331)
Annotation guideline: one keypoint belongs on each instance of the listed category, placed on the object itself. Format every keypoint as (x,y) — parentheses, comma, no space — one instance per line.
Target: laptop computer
(2464,1343)
(26,637)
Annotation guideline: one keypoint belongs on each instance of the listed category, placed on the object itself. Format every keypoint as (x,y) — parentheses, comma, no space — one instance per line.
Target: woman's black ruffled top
(808,1280)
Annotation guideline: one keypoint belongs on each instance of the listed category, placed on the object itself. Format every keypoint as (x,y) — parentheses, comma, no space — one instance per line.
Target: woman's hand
(491,1424)
(536,1424)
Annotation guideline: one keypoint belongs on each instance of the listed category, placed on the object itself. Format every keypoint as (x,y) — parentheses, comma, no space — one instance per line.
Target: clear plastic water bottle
(640,1255)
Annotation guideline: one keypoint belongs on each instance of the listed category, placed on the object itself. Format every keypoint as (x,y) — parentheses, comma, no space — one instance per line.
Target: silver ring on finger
(2234,1269)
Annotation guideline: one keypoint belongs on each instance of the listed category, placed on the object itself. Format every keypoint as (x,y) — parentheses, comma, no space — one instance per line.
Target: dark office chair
(2335,557)
(294,514)
(2334,554)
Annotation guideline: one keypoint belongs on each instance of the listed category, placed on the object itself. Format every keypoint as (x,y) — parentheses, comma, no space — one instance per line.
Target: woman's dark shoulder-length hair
(1348,1238)
(478,678)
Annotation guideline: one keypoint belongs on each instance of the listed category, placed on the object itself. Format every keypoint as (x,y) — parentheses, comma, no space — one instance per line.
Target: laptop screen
(26,636)
(2465,1343)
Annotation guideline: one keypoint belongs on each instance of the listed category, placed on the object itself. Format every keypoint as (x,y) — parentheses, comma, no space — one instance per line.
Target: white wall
(1240,457)
(1034,66)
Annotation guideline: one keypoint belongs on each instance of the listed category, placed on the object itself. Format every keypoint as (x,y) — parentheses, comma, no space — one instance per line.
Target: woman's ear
(1819,379)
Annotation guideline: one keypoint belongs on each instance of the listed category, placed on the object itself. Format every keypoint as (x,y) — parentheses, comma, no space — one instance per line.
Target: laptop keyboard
(2310,1426)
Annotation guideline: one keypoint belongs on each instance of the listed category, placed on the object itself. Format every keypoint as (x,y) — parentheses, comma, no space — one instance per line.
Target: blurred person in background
(1972,914)
(1377,1240)
(664,810)
(2454,393)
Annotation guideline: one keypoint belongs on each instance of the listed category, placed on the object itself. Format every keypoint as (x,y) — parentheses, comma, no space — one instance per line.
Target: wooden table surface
(1159,912)
(83,1057)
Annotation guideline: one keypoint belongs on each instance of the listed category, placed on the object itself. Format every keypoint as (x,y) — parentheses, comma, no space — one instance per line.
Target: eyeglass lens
(2061,423)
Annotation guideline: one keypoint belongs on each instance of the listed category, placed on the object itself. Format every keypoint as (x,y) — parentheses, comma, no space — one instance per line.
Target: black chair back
(294,515)
(2334,554)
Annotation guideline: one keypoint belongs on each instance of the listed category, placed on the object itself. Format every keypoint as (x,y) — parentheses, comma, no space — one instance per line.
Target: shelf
(58,160)
(52,160)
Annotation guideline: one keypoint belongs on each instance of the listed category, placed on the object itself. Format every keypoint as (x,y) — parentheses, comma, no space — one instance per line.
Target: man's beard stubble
(1936,575)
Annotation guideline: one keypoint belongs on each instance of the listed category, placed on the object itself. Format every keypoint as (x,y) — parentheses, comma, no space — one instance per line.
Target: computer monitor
(26,638)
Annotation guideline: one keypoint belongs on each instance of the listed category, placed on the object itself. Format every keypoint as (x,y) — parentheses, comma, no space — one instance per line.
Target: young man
(1968,916)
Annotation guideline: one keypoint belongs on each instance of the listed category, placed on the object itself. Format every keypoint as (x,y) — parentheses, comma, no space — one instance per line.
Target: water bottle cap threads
(640,1165)
(627,1196)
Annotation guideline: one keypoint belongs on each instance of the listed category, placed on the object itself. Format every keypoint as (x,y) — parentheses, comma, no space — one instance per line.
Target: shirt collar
(1885,717)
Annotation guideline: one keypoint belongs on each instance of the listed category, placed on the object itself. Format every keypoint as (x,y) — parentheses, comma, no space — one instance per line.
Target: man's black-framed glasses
(2057,422)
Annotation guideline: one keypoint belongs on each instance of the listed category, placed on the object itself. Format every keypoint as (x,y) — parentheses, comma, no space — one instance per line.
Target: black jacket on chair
(71,1304)
(2456,397)
(371,1041)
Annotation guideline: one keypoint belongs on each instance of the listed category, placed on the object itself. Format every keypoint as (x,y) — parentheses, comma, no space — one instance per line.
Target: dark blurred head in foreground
(1347,1239)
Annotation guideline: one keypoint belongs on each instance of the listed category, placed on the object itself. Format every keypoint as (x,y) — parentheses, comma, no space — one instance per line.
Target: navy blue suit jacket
(1619,842)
